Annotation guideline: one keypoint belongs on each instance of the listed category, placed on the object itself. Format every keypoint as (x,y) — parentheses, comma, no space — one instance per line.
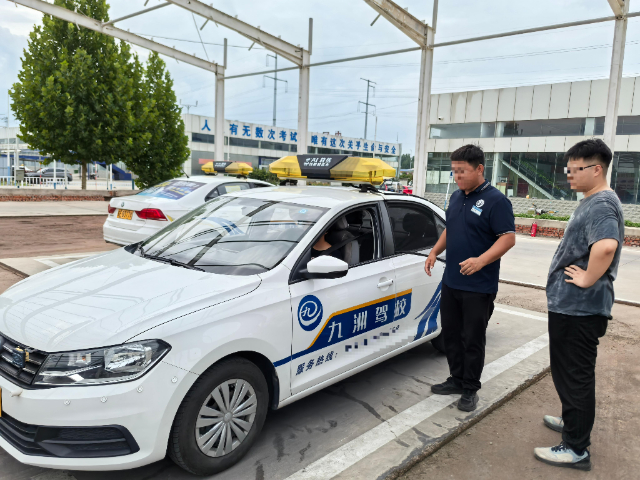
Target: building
(525,131)
(11,147)
(259,145)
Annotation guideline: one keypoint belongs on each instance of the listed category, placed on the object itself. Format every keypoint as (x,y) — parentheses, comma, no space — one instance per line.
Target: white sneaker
(554,423)
(563,456)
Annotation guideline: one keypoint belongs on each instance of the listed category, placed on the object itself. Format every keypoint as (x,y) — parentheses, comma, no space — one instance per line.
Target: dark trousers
(573,347)
(465,316)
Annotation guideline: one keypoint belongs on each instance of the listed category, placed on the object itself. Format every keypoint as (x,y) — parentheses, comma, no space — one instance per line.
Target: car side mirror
(326,266)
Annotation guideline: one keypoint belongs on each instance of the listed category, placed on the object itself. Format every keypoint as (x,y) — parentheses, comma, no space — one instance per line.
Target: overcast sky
(342,29)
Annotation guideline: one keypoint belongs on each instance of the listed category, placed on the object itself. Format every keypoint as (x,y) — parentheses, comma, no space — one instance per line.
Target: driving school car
(134,218)
(181,343)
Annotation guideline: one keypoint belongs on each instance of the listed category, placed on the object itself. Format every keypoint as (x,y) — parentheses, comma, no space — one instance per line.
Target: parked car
(133,218)
(181,343)
(47,174)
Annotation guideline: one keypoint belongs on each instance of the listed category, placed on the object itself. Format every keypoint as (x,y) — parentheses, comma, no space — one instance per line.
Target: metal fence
(64,184)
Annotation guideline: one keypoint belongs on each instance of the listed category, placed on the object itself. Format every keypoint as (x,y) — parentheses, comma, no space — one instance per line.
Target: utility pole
(275,84)
(366,104)
(188,106)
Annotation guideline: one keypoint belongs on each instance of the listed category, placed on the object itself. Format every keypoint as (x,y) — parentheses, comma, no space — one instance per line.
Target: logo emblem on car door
(310,312)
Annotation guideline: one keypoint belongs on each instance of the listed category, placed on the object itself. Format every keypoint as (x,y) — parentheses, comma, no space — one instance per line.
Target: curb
(542,287)
(396,472)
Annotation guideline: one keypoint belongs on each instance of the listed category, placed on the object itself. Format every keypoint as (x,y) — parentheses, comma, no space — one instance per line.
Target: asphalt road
(530,259)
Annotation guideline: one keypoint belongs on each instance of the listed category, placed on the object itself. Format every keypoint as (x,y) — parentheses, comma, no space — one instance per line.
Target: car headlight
(120,363)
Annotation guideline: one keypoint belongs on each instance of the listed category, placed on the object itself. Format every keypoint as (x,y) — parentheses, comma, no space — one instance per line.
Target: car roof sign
(230,168)
(333,167)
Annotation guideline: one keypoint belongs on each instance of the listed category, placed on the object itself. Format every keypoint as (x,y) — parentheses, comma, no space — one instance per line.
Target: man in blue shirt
(480,230)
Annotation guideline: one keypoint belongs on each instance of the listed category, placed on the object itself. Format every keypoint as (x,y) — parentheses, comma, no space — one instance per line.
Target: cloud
(342,29)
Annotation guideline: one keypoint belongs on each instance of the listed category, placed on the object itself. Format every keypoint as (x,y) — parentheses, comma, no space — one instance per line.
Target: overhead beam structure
(131,15)
(615,77)
(294,53)
(95,25)
(443,44)
(422,34)
(618,7)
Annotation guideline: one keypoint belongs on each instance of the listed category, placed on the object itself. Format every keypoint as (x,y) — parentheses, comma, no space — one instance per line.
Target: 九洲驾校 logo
(309,312)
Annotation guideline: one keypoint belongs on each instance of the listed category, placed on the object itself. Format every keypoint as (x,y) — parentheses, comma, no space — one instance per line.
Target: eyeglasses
(568,170)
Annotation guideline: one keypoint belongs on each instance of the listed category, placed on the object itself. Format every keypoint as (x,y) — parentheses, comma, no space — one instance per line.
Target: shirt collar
(482,187)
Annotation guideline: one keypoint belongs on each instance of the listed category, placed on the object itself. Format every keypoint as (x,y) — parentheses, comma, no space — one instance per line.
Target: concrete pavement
(45,209)
(530,259)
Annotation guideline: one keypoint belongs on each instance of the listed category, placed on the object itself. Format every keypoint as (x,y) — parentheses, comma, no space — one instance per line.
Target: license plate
(125,214)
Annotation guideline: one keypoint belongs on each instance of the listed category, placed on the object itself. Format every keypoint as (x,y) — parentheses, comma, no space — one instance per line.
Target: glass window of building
(202,138)
(243,142)
(625,176)
(542,128)
(456,130)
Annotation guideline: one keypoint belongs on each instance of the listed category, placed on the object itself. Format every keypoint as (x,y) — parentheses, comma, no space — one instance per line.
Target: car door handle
(386,283)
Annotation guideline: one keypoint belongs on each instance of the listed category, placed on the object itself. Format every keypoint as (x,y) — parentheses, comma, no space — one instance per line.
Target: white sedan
(134,218)
(181,343)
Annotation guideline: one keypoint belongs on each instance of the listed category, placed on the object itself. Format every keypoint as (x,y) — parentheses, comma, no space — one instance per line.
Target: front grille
(9,368)
(67,442)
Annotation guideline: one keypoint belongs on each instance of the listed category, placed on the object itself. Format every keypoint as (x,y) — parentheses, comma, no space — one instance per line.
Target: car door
(340,324)
(416,228)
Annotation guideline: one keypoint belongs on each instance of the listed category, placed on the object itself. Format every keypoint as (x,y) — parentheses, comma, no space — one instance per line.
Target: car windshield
(233,235)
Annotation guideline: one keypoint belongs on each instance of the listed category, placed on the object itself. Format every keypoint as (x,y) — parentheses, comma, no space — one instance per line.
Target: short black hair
(472,154)
(592,149)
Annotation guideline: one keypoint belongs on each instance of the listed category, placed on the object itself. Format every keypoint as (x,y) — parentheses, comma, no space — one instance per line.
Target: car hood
(108,299)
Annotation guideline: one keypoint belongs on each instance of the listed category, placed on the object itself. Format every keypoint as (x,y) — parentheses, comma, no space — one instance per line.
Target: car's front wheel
(220,418)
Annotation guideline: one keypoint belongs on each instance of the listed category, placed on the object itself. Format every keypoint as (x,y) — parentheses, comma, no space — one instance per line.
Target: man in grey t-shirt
(579,299)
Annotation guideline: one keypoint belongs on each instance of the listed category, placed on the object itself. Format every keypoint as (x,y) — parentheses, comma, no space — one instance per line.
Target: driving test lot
(370,424)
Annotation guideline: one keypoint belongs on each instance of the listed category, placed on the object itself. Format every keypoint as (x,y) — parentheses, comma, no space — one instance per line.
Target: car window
(232,187)
(353,238)
(234,235)
(413,227)
(172,189)
(226,188)
(258,185)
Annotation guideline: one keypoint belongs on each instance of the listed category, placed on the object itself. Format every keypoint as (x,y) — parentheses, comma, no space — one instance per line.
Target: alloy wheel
(226,417)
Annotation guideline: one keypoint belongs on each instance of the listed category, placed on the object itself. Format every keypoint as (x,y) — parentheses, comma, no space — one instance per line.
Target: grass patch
(544,216)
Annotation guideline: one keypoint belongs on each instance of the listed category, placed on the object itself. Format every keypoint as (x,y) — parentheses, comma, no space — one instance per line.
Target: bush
(265,176)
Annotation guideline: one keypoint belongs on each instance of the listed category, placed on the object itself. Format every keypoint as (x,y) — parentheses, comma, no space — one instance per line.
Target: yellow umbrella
(333,167)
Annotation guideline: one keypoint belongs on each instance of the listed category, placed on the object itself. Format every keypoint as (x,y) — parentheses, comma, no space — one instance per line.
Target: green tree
(406,161)
(75,92)
(160,146)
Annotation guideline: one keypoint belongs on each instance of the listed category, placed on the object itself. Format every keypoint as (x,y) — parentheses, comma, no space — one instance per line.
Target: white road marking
(349,454)
(521,314)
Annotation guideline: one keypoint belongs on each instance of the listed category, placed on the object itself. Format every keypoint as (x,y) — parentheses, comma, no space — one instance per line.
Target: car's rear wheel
(438,343)
(220,418)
